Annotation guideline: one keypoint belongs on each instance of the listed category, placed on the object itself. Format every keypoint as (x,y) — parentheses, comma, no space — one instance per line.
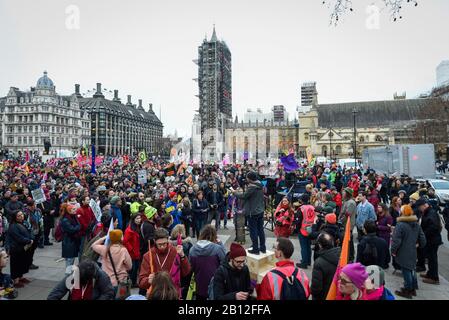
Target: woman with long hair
(132,242)
(71,240)
(395,208)
(384,222)
(162,288)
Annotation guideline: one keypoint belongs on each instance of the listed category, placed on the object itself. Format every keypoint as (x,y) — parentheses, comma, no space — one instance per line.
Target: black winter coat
(228,281)
(18,236)
(200,208)
(383,253)
(103,289)
(323,272)
(71,240)
(430,224)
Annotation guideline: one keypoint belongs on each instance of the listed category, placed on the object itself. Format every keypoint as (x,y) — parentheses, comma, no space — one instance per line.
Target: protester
(94,285)
(163,257)
(407,236)
(349,210)
(431,226)
(132,242)
(372,250)
(71,241)
(271,285)
(205,257)
(232,280)
(351,282)
(116,261)
(384,222)
(162,287)
(19,241)
(365,212)
(324,266)
(284,217)
(200,212)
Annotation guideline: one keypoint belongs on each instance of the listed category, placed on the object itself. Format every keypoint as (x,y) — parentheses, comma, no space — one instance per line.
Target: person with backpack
(285,281)
(131,241)
(375,284)
(432,226)
(372,250)
(115,259)
(94,285)
(306,220)
(325,265)
(87,220)
(406,236)
(232,280)
(205,257)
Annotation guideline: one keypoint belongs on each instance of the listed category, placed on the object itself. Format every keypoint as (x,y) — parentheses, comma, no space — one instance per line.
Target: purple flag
(289,163)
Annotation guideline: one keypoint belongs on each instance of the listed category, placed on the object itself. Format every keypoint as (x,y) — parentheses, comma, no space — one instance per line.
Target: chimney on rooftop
(116,98)
(98,94)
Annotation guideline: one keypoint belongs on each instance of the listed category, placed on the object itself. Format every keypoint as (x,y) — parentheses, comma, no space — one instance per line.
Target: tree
(341,7)
(432,125)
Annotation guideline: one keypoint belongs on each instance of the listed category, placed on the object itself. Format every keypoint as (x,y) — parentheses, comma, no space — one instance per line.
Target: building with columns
(29,118)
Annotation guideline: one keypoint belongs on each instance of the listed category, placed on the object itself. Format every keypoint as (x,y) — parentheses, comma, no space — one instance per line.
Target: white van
(349,163)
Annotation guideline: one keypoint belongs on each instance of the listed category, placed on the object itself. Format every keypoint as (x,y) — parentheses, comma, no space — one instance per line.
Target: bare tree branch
(341,7)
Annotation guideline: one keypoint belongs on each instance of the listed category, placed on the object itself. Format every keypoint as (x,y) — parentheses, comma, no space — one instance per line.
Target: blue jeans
(306,249)
(256,232)
(410,280)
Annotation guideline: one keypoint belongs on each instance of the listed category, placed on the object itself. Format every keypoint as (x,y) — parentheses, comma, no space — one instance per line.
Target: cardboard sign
(38,196)
(96,209)
(142,176)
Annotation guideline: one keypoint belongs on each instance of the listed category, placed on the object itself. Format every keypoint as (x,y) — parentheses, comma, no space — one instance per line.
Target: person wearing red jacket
(354,184)
(271,285)
(336,197)
(87,220)
(131,241)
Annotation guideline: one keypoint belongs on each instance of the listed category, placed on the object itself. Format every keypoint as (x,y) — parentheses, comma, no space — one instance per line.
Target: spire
(214,36)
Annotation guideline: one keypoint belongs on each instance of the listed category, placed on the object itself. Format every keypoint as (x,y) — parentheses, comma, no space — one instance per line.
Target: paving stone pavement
(52,268)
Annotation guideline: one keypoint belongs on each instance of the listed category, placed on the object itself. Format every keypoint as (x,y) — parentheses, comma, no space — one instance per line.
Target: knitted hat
(114,199)
(356,272)
(172,194)
(331,218)
(236,251)
(115,236)
(349,191)
(150,212)
(406,210)
(414,196)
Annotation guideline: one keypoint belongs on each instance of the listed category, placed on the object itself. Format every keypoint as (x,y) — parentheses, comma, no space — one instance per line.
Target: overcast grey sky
(145,48)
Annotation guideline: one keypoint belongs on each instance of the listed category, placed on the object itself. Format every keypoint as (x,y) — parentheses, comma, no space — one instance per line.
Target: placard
(38,196)
(142,177)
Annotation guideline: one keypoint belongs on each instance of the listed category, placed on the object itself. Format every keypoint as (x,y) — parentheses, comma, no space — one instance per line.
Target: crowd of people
(158,236)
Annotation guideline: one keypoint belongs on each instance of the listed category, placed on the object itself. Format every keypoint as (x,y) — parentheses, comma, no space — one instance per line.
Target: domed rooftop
(45,82)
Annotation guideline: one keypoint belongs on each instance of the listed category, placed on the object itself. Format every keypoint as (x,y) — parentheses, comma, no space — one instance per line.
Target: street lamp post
(330,143)
(354,114)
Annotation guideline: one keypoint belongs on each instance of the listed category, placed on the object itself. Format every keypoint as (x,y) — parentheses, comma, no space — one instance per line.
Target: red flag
(332,294)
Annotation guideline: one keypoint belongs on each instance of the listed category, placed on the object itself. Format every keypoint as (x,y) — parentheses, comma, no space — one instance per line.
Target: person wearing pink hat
(351,282)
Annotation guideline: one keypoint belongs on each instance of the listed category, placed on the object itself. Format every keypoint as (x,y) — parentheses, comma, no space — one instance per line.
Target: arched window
(362,139)
(338,149)
(324,151)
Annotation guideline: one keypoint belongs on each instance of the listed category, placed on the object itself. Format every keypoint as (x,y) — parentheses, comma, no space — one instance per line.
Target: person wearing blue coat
(71,240)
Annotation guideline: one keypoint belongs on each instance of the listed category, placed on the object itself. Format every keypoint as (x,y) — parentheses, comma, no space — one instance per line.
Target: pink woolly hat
(356,272)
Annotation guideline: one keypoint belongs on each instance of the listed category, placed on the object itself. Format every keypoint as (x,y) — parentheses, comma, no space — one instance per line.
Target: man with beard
(164,257)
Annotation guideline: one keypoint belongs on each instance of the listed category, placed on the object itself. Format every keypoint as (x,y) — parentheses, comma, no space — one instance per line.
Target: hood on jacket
(330,255)
(256,184)
(411,218)
(204,248)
